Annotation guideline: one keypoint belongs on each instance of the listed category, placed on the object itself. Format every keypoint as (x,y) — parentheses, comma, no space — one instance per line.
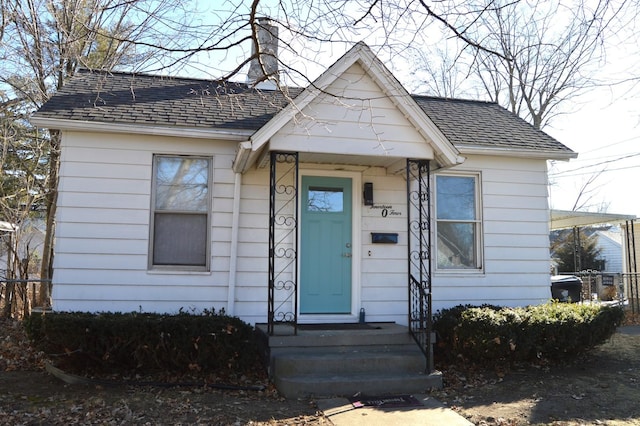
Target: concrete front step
(409,347)
(341,362)
(323,361)
(379,334)
(347,385)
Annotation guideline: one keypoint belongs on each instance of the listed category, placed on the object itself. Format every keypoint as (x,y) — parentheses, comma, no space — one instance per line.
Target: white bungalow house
(346,199)
(182,193)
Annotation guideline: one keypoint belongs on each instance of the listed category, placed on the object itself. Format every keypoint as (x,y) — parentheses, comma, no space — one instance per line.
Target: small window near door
(180,212)
(458,224)
(328,200)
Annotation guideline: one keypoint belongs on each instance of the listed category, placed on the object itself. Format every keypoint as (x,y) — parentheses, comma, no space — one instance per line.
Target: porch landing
(342,360)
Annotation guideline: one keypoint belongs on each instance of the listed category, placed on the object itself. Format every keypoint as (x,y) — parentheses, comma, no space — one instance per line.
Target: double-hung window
(458,222)
(180,213)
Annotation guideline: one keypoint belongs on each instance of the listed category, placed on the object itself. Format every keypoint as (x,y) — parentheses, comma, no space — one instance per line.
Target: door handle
(346,254)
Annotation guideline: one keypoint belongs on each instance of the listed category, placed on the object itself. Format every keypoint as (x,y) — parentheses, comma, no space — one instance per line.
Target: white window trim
(479,242)
(151,267)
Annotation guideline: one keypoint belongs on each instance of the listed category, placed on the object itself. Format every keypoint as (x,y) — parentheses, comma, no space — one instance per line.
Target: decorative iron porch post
(419,255)
(283,240)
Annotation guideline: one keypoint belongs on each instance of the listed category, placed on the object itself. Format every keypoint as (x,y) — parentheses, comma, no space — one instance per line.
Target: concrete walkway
(632,330)
(342,413)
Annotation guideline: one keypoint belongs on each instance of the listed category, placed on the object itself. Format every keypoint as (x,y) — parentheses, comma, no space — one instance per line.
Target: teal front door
(325,245)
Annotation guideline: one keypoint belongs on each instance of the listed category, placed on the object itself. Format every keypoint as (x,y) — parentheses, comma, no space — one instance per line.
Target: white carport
(565,219)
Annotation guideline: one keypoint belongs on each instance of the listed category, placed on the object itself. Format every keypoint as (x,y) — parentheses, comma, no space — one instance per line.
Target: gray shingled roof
(485,124)
(191,103)
(162,101)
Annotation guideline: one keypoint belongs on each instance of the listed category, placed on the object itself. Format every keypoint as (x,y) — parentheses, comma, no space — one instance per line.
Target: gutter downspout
(233,254)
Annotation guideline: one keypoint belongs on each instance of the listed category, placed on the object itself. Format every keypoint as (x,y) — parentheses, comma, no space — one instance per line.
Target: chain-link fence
(606,286)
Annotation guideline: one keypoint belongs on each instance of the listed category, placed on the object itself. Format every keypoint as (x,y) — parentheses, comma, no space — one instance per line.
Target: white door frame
(356,251)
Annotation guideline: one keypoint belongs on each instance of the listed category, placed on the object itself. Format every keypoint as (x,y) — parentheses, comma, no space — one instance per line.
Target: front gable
(356,112)
(352,117)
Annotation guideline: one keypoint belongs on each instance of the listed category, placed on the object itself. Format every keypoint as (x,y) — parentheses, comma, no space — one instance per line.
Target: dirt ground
(601,388)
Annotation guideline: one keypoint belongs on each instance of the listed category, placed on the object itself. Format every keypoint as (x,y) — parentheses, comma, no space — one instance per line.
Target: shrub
(550,331)
(117,342)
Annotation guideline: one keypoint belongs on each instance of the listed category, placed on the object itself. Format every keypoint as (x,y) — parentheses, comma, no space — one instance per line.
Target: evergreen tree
(564,250)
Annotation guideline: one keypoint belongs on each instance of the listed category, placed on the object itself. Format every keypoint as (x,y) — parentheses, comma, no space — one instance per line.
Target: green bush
(117,342)
(550,331)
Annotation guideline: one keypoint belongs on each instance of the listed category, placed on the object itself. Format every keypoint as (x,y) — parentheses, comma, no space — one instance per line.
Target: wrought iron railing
(283,240)
(420,319)
(419,255)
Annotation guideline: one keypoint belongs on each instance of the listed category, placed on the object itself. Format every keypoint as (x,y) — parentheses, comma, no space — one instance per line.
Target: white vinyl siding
(357,120)
(103,226)
(102,239)
(515,221)
(611,244)
(384,266)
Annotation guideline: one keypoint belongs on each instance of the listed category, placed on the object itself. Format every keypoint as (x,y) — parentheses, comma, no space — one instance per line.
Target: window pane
(181,183)
(325,199)
(456,197)
(180,239)
(456,245)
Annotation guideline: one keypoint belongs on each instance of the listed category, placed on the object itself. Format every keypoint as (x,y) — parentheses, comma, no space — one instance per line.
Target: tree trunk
(9,296)
(10,290)
(46,269)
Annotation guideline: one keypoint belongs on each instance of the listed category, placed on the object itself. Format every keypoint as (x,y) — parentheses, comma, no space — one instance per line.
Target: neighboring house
(7,239)
(610,243)
(182,193)
(26,240)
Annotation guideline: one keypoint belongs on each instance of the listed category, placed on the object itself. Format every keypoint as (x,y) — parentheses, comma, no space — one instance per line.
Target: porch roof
(561,219)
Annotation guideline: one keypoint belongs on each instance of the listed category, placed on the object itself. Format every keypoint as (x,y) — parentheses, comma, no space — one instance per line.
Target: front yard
(602,387)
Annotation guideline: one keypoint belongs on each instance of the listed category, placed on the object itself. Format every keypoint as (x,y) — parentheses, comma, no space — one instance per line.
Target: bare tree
(549,52)
(221,42)
(43,42)
(587,192)
(22,167)
(437,74)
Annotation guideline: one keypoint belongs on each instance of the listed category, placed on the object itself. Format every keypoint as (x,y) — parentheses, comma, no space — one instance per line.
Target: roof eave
(517,152)
(104,127)
(243,158)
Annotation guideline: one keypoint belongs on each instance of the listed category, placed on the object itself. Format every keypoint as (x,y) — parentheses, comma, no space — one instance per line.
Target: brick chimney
(267,33)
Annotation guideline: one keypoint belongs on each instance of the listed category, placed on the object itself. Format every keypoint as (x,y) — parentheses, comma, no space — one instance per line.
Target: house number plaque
(383,210)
